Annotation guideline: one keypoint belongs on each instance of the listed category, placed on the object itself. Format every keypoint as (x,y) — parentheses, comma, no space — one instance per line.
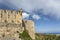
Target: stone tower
(29,25)
(11,25)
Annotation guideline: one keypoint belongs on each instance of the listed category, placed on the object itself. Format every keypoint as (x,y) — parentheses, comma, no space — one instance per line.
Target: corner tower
(29,26)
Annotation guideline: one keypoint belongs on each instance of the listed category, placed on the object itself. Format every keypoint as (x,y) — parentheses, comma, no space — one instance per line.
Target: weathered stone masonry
(11,22)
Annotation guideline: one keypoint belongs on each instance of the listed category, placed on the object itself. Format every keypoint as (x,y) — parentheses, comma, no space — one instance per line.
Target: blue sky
(45,13)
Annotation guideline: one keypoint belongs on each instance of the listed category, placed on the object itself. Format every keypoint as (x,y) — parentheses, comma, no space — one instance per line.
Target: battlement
(11,16)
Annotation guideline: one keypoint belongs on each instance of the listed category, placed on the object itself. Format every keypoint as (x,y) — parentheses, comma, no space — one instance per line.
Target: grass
(25,35)
(47,37)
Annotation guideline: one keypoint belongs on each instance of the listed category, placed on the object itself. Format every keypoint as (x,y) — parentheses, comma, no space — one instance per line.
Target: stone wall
(10,30)
(29,25)
(11,24)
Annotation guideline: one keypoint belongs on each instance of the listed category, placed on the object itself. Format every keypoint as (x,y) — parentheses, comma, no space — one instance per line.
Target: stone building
(11,25)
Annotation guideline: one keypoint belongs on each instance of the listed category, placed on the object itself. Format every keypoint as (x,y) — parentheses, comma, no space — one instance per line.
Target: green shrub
(25,35)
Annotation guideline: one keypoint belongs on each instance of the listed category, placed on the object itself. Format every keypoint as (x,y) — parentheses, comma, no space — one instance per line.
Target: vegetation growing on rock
(25,35)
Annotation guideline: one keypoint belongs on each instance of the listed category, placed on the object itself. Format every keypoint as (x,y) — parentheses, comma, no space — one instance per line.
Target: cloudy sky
(45,13)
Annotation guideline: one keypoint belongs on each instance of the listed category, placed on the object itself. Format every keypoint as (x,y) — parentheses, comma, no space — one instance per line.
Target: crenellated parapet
(11,16)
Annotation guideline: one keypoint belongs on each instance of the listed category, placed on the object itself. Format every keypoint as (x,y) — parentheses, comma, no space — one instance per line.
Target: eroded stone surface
(11,25)
(29,25)
(9,38)
(10,32)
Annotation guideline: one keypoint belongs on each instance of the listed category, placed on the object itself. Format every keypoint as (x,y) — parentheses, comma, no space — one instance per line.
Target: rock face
(11,25)
(29,26)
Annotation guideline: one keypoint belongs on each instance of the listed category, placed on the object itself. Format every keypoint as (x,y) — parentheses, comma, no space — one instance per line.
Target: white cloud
(36,17)
(1,1)
(25,15)
(50,7)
